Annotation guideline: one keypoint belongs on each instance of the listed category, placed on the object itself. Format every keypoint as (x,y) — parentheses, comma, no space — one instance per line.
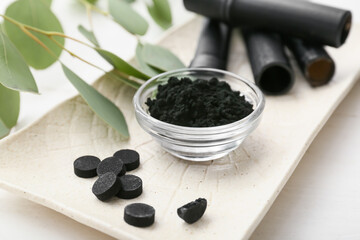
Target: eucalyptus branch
(18,18)
(138,38)
(46,33)
(37,40)
(26,29)
(129,80)
(88,12)
(128,77)
(111,74)
(58,34)
(74,55)
(93,7)
(106,14)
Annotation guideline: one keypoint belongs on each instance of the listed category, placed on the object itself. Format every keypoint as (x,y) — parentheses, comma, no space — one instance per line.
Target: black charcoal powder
(198,103)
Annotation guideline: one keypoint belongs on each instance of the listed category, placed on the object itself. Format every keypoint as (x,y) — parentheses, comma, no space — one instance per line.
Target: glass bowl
(199,143)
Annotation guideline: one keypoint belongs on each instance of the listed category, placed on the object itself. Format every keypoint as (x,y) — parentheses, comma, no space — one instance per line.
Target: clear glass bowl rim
(240,123)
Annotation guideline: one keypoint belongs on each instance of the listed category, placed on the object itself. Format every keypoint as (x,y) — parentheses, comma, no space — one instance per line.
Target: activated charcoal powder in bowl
(198,103)
(199,114)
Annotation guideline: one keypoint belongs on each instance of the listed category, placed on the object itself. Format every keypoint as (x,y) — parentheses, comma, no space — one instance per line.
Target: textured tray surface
(36,163)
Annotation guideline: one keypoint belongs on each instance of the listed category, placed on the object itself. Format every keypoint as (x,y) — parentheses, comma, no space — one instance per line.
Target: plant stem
(93,7)
(88,12)
(138,39)
(46,33)
(123,77)
(25,28)
(106,14)
(74,55)
(58,34)
(38,41)
(116,75)
(33,37)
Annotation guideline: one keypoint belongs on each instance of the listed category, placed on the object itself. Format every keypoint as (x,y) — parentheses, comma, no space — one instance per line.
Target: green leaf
(161,13)
(126,16)
(93,2)
(89,35)
(161,58)
(9,106)
(143,65)
(14,72)
(36,14)
(4,131)
(121,65)
(117,76)
(2,27)
(102,106)
(47,2)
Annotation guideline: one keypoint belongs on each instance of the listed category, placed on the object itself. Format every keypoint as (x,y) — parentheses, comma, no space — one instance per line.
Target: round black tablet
(139,214)
(192,211)
(106,186)
(130,158)
(85,166)
(131,187)
(111,164)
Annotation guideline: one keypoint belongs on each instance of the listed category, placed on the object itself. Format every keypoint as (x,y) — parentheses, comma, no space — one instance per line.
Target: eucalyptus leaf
(161,58)
(121,65)
(4,131)
(115,75)
(127,17)
(36,14)
(102,106)
(2,27)
(14,72)
(93,2)
(89,35)
(9,106)
(161,13)
(143,66)
(47,2)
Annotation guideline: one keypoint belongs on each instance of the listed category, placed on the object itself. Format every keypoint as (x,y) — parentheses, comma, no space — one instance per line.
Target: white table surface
(320,201)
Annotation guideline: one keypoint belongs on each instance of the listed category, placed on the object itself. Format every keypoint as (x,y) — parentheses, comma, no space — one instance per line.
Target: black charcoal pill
(130,158)
(85,166)
(131,187)
(111,164)
(192,211)
(106,186)
(139,214)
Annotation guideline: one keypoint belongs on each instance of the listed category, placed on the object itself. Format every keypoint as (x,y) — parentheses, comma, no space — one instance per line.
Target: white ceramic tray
(36,163)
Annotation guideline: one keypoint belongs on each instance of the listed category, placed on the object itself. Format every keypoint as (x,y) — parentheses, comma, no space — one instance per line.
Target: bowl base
(199,157)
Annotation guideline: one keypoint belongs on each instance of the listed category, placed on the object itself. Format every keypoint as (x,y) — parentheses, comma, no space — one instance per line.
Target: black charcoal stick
(315,63)
(213,46)
(270,65)
(309,21)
